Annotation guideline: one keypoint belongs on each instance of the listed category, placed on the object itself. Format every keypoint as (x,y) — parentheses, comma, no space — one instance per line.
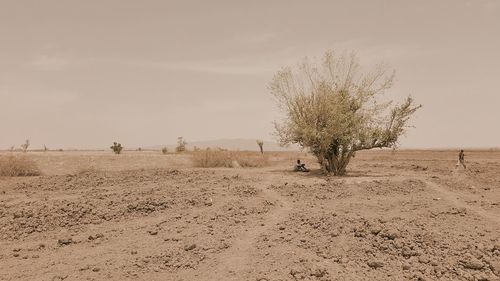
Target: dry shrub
(18,166)
(89,169)
(211,157)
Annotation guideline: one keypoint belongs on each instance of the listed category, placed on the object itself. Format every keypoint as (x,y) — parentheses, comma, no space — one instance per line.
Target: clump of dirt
(175,259)
(412,248)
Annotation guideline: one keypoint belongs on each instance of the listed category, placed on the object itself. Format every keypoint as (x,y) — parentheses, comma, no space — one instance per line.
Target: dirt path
(446,194)
(237,263)
(453,197)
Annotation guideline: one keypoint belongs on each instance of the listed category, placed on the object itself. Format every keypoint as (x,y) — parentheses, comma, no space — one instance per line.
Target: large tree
(334,109)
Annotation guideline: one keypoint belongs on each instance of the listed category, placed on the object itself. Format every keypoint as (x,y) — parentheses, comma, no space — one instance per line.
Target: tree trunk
(335,166)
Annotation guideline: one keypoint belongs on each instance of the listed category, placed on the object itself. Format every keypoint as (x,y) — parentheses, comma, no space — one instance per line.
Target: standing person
(461,159)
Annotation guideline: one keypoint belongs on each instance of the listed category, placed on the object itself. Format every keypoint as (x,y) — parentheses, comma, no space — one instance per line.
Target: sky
(81,74)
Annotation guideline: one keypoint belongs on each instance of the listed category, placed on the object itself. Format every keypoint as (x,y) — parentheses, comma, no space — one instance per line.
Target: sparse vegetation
(332,109)
(88,169)
(216,157)
(164,150)
(45,149)
(18,166)
(181,145)
(260,143)
(25,145)
(116,147)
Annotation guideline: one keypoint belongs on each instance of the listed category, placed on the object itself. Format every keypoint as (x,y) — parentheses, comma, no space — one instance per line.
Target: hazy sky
(86,73)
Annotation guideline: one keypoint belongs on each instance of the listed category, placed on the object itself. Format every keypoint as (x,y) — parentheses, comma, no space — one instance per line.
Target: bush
(217,157)
(89,169)
(18,166)
(116,147)
(181,145)
(164,150)
(260,143)
(25,145)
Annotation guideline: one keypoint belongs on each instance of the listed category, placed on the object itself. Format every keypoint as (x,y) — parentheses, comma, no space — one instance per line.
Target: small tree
(25,145)
(332,109)
(164,150)
(12,148)
(45,149)
(116,147)
(181,145)
(260,143)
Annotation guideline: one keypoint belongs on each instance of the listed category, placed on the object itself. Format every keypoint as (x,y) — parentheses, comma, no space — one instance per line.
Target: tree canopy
(334,109)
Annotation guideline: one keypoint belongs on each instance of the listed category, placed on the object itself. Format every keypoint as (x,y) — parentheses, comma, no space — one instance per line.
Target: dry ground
(408,215)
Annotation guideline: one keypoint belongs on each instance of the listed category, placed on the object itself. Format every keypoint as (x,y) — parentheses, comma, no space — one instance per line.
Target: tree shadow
(318,173)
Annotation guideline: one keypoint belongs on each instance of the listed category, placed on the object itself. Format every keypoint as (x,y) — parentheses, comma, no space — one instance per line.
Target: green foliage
(116,147)
(333,110)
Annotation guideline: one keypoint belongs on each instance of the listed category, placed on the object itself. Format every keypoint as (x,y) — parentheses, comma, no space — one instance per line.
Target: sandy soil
(408,215)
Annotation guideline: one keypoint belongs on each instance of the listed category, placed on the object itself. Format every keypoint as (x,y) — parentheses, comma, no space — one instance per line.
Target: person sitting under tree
(461,159)
(300,167)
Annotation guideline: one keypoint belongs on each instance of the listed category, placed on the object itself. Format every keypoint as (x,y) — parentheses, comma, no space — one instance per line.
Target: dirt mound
(375,248)
(409,223)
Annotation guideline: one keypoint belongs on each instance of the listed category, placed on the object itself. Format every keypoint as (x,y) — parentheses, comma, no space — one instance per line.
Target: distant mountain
(231,144)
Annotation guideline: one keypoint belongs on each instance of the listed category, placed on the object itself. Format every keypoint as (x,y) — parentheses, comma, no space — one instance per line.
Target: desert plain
(397,215)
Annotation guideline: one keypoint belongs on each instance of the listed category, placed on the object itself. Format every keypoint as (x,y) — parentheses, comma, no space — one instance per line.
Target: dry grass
(209,158)
(18,166)
(88,169)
